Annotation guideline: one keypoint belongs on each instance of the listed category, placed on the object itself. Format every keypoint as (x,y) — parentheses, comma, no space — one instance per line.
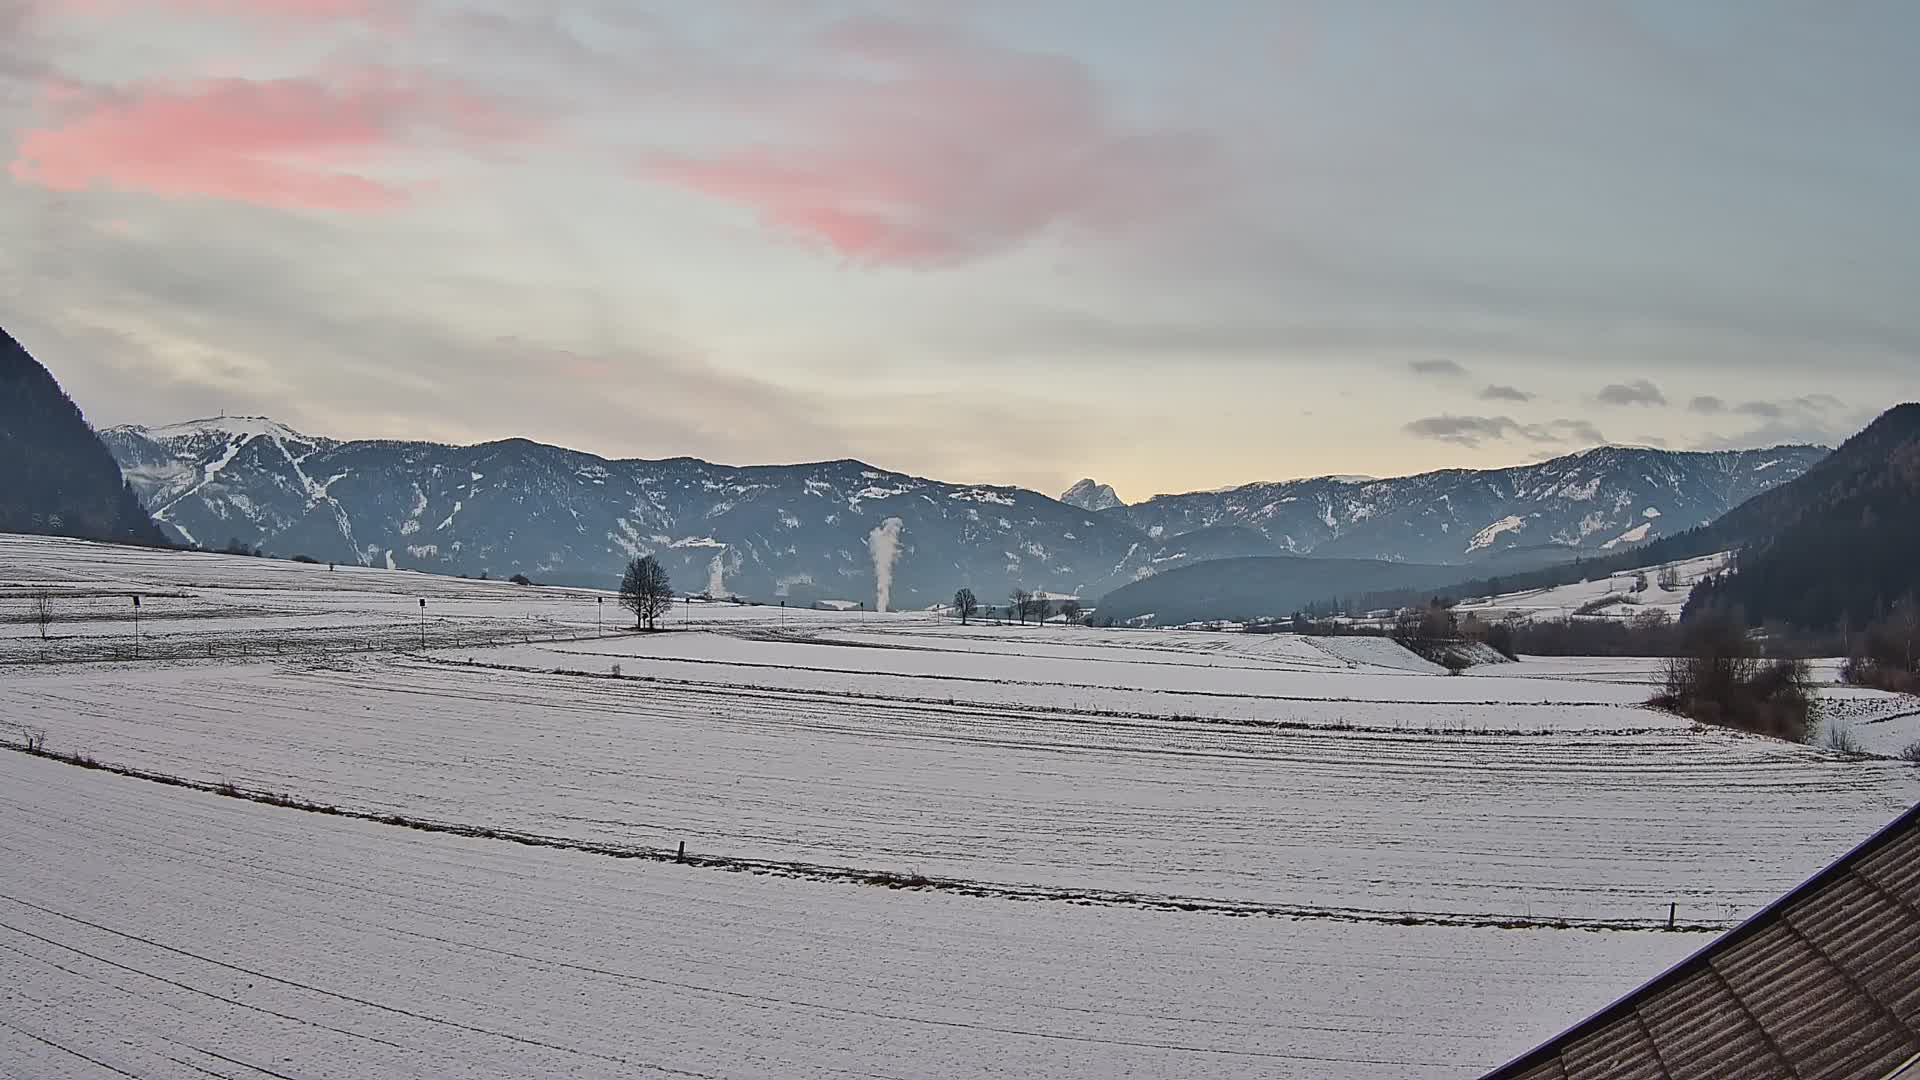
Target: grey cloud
(1474,430)
(1810,419)
(1463,430)
(1443,368)
(1498,392)
(1637,392)
(1575,431)
(1806,404)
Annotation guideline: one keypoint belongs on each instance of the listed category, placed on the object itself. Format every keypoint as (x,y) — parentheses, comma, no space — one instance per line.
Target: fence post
(682,857)
(1673,910)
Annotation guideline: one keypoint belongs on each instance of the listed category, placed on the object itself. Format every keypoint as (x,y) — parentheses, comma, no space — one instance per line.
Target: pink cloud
(936,148)
(305,10)
(288,143)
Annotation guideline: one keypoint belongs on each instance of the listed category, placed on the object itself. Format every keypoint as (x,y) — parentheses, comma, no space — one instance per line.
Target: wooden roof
(1823,983)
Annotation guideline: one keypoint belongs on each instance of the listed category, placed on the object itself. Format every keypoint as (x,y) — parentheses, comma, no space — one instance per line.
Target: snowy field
(151,932)
(1153,853)
(201,606)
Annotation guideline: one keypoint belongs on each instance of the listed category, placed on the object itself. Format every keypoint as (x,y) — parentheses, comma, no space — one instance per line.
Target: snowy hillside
(1618,596)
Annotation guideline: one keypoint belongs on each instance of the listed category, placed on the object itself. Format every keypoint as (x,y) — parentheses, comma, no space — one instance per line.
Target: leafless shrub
(1720,679)
(1837,737)
(43,611)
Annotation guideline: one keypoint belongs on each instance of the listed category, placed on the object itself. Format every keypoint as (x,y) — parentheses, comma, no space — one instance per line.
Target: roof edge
(1753,924)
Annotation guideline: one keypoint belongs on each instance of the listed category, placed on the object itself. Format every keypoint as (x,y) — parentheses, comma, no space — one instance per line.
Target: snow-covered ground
(1611,597)
(197,606)
(168,934)
(1433,873)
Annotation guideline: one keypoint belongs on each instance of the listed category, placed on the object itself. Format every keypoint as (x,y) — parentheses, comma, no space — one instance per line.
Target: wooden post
(682,857)
(1673,910)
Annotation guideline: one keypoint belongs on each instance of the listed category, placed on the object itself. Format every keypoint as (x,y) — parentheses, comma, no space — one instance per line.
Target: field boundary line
(891,879)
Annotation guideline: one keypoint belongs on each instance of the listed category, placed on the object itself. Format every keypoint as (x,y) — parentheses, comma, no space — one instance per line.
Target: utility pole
(136,626)
(423,624)
(599,615)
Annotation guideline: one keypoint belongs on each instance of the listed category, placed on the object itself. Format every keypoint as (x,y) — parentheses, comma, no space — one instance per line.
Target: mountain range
(1595,500)
(1830,547)
(808,532)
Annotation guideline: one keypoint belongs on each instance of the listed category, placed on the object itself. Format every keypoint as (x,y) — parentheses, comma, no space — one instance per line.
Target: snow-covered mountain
(1595,500)
(1088,495)
(802,532)
(796,532)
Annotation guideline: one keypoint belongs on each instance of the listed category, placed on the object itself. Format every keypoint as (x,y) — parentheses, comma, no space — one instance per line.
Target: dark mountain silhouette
(1838,546)
(59,479)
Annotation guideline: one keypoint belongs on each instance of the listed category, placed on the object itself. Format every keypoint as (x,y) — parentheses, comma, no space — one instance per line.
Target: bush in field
(1911,753)
(1720,679)
(1835,737)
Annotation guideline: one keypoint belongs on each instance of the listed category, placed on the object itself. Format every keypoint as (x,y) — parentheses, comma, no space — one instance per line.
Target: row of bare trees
(1022,605)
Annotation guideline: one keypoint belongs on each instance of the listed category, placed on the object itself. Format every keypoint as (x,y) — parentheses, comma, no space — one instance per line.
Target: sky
(1171,247)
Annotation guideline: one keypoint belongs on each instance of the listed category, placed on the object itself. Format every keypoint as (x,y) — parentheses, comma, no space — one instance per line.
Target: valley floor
(914,849)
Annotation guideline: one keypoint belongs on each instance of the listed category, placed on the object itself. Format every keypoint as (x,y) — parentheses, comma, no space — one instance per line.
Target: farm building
(1823,983)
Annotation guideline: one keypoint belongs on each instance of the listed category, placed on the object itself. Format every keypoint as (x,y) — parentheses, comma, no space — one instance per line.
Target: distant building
(838,605)
(1824,983)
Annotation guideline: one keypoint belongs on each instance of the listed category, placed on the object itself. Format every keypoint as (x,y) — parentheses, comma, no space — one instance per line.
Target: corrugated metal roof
(1824,983)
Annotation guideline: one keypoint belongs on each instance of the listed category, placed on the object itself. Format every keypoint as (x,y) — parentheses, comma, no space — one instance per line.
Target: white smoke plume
(717,577)
(884,542)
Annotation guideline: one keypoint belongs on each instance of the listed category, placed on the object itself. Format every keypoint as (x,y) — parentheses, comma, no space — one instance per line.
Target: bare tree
(1669,579)
(646,591)
(43,611)
(966,605)
(1071,609)
(1042,607)
(1021,603)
